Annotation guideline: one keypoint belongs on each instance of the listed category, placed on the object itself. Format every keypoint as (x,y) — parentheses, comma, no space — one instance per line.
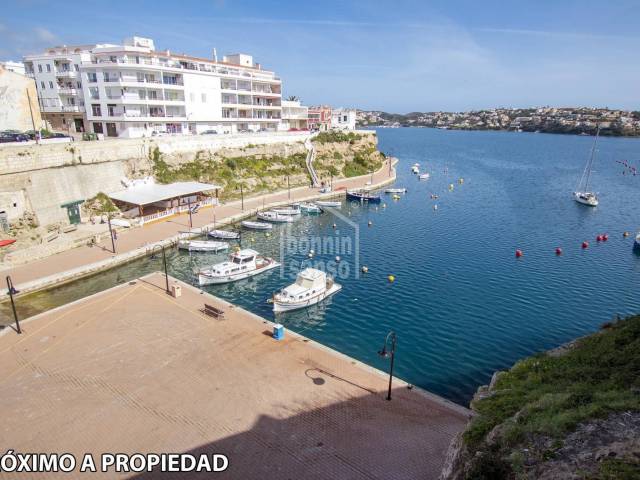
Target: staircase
(311,156)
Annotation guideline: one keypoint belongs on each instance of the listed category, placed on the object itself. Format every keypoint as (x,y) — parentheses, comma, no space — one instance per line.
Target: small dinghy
(241,264)
(329,203)
(311,286)
(256,225)
(288,210)
(271,216)
(224,234)
(202,245)
(363,196)
(395,190)
(423,176)
(308,207)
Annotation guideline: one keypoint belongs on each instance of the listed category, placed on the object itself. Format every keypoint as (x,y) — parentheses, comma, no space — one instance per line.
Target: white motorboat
(224,234)
(241,264)
(308,207)
(415,169)
(271,216)
(582,194)
(424,176)
(256,225)
(395,190)
(202,245)
(311,286)
(329,203)
(288,210)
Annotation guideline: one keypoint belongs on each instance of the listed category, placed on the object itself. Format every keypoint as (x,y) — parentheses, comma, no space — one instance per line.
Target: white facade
(294,115)
(343,119)
(15,67)
(132,90)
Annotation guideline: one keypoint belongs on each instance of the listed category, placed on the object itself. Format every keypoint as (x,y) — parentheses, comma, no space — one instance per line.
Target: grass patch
(552,394)
(335,136)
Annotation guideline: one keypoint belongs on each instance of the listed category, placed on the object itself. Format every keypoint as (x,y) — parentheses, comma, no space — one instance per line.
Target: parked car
(156,133)
(243,131)
(13,137)
(209,132)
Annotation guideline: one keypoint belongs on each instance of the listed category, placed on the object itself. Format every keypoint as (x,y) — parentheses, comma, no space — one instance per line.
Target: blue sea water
(461,304)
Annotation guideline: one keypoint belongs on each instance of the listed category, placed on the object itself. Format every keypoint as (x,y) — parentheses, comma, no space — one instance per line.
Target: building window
(111,109)
(39,68)
(95,110)
(97,127)
(50,84)
(79,84)
(92,77)
(93,91)
(76,67)
(49,67)
(42,85)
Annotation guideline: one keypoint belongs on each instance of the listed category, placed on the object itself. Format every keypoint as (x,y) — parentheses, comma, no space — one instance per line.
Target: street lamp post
(164,261)
(288,188)
(241,198)
(385,354)
(12,291)
(190,217)
(113,243)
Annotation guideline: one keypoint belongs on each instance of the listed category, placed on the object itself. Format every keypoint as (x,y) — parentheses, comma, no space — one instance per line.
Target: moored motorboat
(308,207)
(271,216)
(224,234)
(423,176)
(256,225)
(363,196)
(202,245)
(288,210)
(241,264)
(329,203)
(395,190)
(311,286)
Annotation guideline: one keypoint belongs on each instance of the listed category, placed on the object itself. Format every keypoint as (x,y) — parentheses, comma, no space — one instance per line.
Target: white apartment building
(294,116)
(343,119)
(132,90)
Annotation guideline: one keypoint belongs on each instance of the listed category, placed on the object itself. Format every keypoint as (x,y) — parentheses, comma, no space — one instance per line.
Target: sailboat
(582,194)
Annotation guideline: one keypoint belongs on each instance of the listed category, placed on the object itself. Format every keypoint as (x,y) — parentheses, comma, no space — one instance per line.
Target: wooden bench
(213,311)
(69,228)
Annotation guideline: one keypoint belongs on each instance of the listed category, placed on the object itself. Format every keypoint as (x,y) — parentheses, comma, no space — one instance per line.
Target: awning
(146,194)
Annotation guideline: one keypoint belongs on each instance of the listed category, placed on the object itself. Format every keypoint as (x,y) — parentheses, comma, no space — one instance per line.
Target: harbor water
(461,303)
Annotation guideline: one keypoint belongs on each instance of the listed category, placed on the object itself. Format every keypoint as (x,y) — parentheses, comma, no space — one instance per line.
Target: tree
(292,98)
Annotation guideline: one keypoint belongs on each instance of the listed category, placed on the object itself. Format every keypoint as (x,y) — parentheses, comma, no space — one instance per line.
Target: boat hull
(590,201)
(209,280)
(329,204)
(257,225)
(224,234)
(279,307)
(363,198)
(203,247)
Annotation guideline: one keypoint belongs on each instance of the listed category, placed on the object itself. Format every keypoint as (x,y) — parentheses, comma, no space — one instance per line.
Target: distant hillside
(573,412)
(548,120)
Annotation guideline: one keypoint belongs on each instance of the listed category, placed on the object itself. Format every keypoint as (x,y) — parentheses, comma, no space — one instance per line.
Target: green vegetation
(101,203)
(232,171)
(617,469)
(335,136)
(549,395)
(363,162)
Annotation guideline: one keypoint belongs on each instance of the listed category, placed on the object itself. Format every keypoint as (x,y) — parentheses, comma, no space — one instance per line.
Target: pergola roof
(146,194)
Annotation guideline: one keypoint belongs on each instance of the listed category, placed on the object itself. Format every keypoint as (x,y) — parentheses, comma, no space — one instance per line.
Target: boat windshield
(304,282)
(236,260)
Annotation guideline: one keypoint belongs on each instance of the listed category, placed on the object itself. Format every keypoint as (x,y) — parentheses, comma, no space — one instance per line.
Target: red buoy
(558,251)
(605,237)
(518,253)
(585,244)
(599,238)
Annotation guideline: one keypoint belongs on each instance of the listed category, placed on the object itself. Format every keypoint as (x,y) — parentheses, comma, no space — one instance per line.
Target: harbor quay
(135,370)
(136,242)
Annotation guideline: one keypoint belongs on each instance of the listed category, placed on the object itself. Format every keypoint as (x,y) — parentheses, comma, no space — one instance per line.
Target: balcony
(66,73)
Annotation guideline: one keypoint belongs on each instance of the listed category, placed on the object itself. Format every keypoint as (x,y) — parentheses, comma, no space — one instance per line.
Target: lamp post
(385,354)
(288,188)
(113,243)
(12,291)
(241,198)
(164,261)
(190,217)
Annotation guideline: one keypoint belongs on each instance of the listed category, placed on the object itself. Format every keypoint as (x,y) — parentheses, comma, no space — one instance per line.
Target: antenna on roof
(215,55)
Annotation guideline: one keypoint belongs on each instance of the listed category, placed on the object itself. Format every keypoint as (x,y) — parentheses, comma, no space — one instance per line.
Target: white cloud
(45,35)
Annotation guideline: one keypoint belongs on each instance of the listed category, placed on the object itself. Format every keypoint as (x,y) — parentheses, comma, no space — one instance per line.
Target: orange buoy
(585,244)
(519,253)
(558,251)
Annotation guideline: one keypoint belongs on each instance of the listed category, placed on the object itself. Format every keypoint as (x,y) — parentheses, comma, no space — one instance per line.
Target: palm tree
(292,98)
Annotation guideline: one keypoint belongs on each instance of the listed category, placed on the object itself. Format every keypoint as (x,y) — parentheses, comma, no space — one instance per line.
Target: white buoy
(365,269)
(435,207)
(337,258)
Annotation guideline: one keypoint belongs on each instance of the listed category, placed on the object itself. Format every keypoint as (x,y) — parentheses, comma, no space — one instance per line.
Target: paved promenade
(132,369)
(131,240)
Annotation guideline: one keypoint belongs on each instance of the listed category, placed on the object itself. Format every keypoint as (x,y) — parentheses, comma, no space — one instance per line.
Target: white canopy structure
(147,194)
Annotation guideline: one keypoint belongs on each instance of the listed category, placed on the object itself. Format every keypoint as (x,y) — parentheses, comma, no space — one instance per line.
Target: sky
(398,56)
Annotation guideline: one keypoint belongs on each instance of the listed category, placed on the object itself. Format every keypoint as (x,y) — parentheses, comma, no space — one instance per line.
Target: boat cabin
(308,283)
(238,262)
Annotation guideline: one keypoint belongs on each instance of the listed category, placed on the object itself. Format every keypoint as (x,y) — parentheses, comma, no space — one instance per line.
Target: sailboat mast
(593,153)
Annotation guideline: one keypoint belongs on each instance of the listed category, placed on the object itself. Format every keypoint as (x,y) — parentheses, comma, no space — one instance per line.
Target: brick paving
(132,369)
